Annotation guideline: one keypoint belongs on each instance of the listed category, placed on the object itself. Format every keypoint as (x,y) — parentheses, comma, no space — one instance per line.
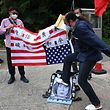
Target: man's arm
(3,29)
(87,36)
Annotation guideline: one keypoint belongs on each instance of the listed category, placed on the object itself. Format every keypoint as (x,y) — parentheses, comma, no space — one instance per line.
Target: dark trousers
(67,67)
(84,70)
(11,68)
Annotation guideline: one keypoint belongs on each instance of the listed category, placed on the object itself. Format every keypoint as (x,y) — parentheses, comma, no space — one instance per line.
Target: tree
(106,23)
(84,3)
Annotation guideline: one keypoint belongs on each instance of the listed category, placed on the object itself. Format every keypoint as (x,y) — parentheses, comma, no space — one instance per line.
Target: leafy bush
(2,45)
(106,23)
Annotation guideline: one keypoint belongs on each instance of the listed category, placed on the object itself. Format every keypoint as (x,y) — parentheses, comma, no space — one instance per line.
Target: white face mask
(77,15)
(14,16)
(68,28)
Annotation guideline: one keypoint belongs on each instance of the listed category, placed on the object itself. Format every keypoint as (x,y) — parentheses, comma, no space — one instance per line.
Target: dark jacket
(89,44)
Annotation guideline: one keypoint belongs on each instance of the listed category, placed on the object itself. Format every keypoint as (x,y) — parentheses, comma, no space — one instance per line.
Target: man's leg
(22,73)
(11,68)
(84,71)
(67,67)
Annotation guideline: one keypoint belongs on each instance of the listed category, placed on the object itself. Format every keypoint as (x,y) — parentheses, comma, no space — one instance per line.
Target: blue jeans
(84,70)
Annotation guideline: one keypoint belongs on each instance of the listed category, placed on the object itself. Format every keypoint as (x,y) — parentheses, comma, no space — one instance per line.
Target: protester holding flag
(90,48)
(6,25)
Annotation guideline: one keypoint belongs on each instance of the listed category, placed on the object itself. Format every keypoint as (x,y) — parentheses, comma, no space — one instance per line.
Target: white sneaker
(62,82)
(92,107)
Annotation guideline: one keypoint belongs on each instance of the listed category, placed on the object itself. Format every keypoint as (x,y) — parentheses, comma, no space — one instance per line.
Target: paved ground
(21,96)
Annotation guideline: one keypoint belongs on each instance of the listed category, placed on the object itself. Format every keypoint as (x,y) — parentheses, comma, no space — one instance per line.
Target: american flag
(49,46)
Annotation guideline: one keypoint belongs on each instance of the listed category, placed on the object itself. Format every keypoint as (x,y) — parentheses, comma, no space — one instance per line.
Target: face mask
(77,15)
(14,16)
(68,28)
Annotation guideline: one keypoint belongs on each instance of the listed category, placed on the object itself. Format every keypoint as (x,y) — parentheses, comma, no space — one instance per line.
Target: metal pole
(72,5)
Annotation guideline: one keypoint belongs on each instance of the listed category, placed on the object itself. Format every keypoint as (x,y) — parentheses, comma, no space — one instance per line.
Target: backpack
(59,93)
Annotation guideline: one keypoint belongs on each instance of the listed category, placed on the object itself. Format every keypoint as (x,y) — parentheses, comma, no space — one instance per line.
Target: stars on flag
(55,55)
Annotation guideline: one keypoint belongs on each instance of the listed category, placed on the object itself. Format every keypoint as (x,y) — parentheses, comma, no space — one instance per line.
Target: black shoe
(11,80)
(1,61)
(46,95)
(24,79)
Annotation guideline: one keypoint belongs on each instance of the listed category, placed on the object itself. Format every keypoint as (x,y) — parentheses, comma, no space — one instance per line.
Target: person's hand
(9,27)
(21,26)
